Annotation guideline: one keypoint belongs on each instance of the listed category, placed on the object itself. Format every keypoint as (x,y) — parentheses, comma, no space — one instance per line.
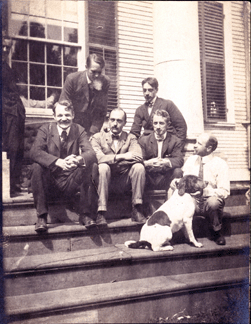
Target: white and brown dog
(176,213)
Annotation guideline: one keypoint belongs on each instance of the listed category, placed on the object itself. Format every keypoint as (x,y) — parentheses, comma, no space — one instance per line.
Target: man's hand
(129,156)
(71,162)
(157,163)
(174,184)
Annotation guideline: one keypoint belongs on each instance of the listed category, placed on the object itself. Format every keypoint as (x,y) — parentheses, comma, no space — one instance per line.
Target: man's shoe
(86,221)
(137,214)
(219,239)
(41,226)
(101,221)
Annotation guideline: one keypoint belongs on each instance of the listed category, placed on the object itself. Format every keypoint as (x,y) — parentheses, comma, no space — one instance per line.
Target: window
(211,33)
(102,40)
(45,48)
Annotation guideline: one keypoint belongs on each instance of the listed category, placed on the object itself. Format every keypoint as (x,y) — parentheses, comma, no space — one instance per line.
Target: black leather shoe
(86,221)
(219,239)
(41,226)
(137,214)
(101,221)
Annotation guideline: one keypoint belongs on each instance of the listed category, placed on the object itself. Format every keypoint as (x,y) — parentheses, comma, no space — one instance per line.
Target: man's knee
(177,173)
(104,169)
(214,203)
(138,168)
(37,169)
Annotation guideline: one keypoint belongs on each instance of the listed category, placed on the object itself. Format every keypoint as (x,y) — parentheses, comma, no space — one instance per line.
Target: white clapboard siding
(135,53)
(233,141)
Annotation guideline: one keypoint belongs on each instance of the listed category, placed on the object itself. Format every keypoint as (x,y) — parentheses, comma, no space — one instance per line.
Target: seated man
(161,153)
(120,166)
(214,170)
(144,114)
(63,159)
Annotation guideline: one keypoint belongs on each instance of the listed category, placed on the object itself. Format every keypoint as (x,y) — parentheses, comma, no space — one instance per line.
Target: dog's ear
(182,186)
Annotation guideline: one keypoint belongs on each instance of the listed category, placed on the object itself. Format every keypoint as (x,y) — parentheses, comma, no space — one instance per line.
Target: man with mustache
(120,166)
(87,90)
(162,154)
(63,165)
(144,114)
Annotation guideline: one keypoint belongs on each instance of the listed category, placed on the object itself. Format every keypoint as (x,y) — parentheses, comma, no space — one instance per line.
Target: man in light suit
(162,154)
(63,159)
(144,114)
(87,90)
(120,166)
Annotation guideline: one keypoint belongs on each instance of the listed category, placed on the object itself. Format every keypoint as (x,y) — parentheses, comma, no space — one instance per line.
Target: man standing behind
(144,114)
(214,170)
(63,159)
(87,90)
(161,153)
(13,118)
(120,166)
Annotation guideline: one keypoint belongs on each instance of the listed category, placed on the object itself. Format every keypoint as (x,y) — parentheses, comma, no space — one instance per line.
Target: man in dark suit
(120,166)
(13,118)
(63,159)
(144,114)
(162,154)
(87,90)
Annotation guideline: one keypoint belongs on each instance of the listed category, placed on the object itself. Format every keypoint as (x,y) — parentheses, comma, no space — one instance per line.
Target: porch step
(28,274)
(129,301)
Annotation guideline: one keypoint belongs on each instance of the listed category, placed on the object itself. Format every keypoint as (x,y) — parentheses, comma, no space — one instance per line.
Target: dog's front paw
(198,244)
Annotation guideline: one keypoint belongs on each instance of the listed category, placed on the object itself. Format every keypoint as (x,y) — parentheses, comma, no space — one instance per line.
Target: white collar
(60,130)
(205,159)
(164,136)
(88,80)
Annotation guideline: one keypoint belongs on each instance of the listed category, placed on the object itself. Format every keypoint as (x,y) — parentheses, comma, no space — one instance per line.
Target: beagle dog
(176,213)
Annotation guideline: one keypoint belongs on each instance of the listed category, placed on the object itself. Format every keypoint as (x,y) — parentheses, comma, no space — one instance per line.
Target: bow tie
(149,104)
(160,138)
(115,137)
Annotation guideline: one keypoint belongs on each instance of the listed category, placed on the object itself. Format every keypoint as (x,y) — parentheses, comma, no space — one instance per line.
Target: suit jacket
(46,147)
(171,149)
(104,148)
(76,90)
(142,119)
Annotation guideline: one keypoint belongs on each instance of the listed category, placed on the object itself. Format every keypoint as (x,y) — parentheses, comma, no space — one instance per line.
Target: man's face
(159,125)
(94,70)
(149,92)
(6,46)
(63,117)
(116,122)
(200,147)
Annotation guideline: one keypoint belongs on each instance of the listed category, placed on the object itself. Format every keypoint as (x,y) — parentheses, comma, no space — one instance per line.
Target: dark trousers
(159,181)
(13,144)
(212,209)
(47,185)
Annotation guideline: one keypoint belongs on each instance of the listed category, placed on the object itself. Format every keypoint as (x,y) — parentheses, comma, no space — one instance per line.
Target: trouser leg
(213,209)
(103,186)
(137,178)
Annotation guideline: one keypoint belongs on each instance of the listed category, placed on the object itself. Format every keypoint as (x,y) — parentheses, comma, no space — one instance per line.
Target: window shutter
(211,35)
(102,41)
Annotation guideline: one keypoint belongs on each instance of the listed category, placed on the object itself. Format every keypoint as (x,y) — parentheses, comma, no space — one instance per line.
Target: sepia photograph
(125,161)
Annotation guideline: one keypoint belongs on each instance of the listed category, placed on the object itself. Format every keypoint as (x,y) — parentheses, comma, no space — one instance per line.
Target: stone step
(32,274)
(64,237)
(130,301)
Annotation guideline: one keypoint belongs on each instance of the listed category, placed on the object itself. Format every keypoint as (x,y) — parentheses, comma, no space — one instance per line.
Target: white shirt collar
(88,80)
(60,130)
(205,159)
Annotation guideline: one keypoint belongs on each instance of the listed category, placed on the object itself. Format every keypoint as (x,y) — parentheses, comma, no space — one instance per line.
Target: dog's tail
(138,244)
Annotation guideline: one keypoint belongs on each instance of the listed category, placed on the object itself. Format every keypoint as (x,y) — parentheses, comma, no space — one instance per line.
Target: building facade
(198,51)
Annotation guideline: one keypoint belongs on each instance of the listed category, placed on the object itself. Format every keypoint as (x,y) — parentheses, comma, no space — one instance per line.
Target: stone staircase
(74,275)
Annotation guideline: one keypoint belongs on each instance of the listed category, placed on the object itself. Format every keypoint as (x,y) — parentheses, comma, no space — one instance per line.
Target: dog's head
(191,184)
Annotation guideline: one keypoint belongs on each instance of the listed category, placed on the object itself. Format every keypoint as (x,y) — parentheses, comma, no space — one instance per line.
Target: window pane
(70,10)
(36,52)
(70,34)
(37,29)
(37,75)
(37,93)
(20,70)
(37,7)
(53,9)
(20,6)
(54,76)
(68,71)
(54,30)
(20,50)
(53,54)
(18,25)
(70,56)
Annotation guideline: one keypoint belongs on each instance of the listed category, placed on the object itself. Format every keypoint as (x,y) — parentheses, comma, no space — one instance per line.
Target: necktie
(201,176)
(115,137)
(63,150)
(90,92)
